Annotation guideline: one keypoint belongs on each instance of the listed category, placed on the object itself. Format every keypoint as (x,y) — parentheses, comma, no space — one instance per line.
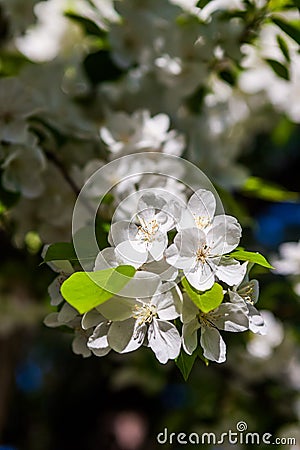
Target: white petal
(106,259)
(163,269)
(91,319)
(256,321)
(189,309)
(224,235)
(166,221)
(54,290)
(189,336)
(164,340)
(126,336)
(202,204)
(189,240)
(231,271)
(121,231)
(131,254)
(214,348)
(229,317)
(146,213)
(187,220)
(98,340)
(117,308)
(176,260)
(79,346)
(52,320)
(166,308)
(158,246)
(142,285)
(148,202)
(201,278)
(67,313)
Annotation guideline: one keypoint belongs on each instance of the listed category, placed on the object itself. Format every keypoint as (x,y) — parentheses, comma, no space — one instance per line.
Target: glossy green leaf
(279,5)
(86,290)
(207,300)
(259,188)
(289,28)
(279,69)
(283,47)
(253,257)
(61,251)
(185,363)
(87,24)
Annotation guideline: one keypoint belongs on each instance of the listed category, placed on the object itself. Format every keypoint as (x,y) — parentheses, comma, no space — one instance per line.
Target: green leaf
(86,290)
(229,76)
(253,257)
(185,363)
(100,67)
(265,190)
(61,251)
(289,28)
(207,300)
(283,47)
(88,25)
(279,69)
(202,3)
(279,5)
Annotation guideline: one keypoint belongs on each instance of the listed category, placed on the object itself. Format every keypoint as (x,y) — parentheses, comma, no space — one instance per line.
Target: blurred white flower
(259,76)
(23,166)
(17,103)
(288,262)
(261,346)
(46,39)
(125,134)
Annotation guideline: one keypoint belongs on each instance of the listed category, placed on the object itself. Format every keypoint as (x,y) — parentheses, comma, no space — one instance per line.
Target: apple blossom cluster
(179,253)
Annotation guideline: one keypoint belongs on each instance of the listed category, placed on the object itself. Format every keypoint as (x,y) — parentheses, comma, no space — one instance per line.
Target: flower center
(202,253)
(147,230)
(201,222)
(145,313)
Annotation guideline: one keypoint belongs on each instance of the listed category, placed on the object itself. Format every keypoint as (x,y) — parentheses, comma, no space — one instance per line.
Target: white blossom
(263,346)
(70,317)
(288,263)
(200,254)
(97,341)
(17,103)
(136,243)
(125,134)
(246,295)
(23,167)
(227,316)
(142,321)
